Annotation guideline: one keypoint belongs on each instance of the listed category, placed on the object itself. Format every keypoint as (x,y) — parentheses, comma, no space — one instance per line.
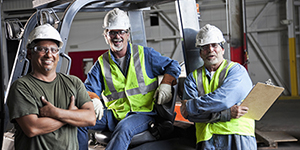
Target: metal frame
(2,111)
(237,31)
(266,62)
(187,16)
(257,48)
(21,63)
(70,10)
(137,30)
(189,27)
(290,11)
(173,26)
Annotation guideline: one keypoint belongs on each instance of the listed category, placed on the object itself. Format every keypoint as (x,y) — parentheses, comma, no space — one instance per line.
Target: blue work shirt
(156,65)
(234,89)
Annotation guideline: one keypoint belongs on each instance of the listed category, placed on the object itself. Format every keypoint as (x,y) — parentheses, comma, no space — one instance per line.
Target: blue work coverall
(134,122)
(215,106)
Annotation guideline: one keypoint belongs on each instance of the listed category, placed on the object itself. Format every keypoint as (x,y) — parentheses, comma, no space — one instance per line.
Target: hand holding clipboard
(260,99)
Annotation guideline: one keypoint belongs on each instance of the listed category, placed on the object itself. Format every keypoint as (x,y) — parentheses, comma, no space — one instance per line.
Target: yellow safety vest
(204,131)
(133,93)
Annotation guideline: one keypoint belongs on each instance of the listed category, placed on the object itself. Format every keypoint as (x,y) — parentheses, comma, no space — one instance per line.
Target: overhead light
(14,29)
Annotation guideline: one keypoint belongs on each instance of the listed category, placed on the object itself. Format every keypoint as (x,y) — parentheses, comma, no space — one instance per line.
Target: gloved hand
(163,94)
(98,106)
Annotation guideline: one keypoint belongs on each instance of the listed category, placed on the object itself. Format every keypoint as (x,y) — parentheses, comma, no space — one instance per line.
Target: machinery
(46,13)
(183,135)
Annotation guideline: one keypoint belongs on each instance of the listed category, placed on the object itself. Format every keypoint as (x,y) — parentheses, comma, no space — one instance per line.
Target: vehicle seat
(162,127)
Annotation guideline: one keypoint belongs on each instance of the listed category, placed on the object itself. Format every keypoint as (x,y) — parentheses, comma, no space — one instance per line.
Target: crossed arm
(235,112)
(52,118)
(222,104)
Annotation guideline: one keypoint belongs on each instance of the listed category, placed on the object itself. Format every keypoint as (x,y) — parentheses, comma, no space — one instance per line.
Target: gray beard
(117,48)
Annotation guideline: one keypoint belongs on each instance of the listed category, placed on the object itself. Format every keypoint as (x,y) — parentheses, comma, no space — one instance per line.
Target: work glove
(98,106)
(163,94)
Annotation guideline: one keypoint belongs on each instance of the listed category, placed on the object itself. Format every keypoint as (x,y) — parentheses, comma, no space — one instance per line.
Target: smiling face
(44,61)
(212,54)
(117,39)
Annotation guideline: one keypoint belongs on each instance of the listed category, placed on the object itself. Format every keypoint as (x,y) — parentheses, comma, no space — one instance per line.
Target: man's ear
(105,38)
(223,50)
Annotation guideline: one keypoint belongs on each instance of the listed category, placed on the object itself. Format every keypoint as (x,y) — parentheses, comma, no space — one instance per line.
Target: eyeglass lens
(113,33)
(207,47)
(45,50)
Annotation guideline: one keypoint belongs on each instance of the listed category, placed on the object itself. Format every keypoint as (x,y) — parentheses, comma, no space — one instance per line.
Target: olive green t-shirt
(24,99)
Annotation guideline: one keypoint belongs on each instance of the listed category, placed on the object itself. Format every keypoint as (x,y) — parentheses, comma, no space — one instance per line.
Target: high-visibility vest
(204,131)
(133,93)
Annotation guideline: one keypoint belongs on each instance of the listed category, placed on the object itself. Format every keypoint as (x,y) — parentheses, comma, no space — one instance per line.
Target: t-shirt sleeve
(20,101)
(82,95)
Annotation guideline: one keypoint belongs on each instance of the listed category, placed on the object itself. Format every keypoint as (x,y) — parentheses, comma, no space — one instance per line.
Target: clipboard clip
(269,82)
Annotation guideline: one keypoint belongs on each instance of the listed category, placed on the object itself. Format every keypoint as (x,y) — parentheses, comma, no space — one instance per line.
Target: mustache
(117,40)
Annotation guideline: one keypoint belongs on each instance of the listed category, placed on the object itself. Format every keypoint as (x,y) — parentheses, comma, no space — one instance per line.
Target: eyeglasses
(207,47)
(114,33)
(44,50)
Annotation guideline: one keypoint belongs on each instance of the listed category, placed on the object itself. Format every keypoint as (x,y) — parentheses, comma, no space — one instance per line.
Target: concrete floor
(283,116)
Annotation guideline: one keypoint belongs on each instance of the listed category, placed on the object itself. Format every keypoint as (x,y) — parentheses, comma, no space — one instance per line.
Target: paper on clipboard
(260,99)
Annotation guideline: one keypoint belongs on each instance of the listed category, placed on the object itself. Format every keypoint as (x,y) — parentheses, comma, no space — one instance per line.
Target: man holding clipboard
(212,94)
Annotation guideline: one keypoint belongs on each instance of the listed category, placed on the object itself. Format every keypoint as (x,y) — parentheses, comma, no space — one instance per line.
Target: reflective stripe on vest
(121,94)
(204,131)
(201,71)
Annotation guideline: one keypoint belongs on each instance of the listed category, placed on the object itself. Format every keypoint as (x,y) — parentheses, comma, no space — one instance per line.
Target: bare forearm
(79,117)
(46,125)
(85,116)
(39,125)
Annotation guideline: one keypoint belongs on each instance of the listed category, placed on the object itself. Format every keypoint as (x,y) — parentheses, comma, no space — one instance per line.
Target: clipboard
(260,99)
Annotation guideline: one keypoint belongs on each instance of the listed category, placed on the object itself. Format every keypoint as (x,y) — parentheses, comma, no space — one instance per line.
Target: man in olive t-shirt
(47,107)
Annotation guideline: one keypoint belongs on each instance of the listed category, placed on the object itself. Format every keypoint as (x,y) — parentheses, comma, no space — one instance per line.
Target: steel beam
(66,23)
(165,18)
(2,90)
(237,32)
(264,59)
(189,27)
(290,11)
(266,62)
(266,30)
(259,15)
(138,33)
(173,26)
(21,63)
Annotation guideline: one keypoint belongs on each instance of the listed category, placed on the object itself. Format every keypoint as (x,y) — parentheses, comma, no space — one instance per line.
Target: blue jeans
(123,130)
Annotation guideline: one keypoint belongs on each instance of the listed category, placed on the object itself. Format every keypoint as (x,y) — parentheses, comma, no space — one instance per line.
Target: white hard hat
(209,34)
(45,31)
(116,19)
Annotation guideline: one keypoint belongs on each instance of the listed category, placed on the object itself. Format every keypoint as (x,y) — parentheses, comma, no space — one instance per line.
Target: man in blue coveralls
(212,94)
(126,78)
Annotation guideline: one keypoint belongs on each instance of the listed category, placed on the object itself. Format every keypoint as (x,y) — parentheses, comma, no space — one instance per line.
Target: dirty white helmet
(45,31)
(209,34)
(116,19)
